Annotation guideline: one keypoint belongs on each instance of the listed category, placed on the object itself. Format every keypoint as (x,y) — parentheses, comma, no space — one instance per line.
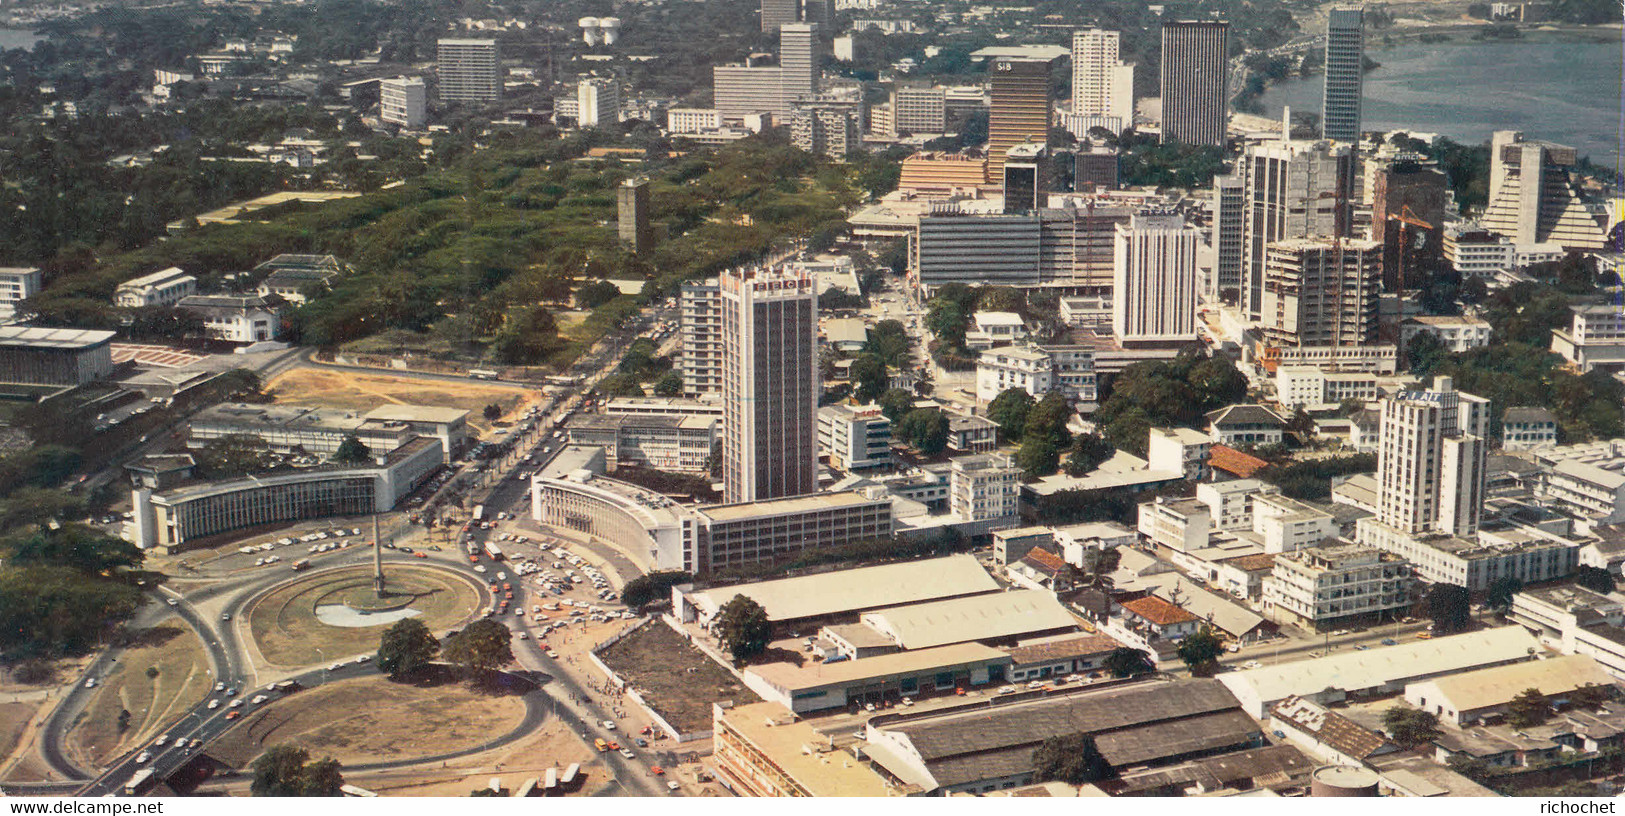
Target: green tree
(286,770)
(1201,652)
(1126,662)
(1498,595)
(596,294)
(1591,696)
(1070,758)
(1410,727)
(1087,452)
(1038,457)
(492,412)
(889,341)
(406,646)
(655,586)
(84,549)
(926,429)
(1595,579)
(1044,436)
(670,384)
(165,323)
(1009,410)
(743,627)
(481,646)
(620,384)
(352,451)
(233,456)
(1449,607)
(895,403)
(1528,709)
(869,378)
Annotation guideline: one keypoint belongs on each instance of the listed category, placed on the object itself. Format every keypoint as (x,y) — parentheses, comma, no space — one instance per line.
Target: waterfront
(1567,92)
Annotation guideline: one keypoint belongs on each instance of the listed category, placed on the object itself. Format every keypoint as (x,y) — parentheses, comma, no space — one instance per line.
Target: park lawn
(184,679)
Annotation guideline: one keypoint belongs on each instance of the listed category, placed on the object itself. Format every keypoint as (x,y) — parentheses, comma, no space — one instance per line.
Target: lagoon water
(1565,92)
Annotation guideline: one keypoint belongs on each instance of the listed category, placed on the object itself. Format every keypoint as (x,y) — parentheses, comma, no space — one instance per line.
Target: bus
(141,782)
(479,512)
(570,773)
(286,686)
(562,380)
(494,551)
(552,780)
(526,789)
(301,564)
(483,374)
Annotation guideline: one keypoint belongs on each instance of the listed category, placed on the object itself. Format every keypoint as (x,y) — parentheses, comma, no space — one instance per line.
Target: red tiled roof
(1230,460)
(1045,560)
(1158,611)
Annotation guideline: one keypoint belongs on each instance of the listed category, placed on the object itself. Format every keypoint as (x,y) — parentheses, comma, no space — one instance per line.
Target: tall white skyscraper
(1430,460)
(469,71)
(1154,280)
(700,308)
(798,62)
(1345,53)
(1102,84)
(599,102)
(769,384)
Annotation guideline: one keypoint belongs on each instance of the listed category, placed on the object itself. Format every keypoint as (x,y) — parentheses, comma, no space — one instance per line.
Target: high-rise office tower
(741,90)
(828,130)
(1020,109)
(1293,189)
(1407,218)
(1320,292)
(1229,232)
(700,320)
(1430,460)
(632,212)
(1195,81)
(1024,178)
(777,13)
(1533,199)
(799,59)
(1345,51)
(769,384)
(599,103)
(403,101)
(1154,280)
(1095,169)
(1102,84)
(919,110)
(821,12)
(469,71)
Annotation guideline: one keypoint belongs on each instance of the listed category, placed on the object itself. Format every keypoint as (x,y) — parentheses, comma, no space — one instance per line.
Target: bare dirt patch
(675,678)
(183,680)
(366,391)
(284,626)
(370,720)
(553,745)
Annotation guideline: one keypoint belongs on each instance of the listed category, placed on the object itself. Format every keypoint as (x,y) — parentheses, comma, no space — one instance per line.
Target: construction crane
(1406,218)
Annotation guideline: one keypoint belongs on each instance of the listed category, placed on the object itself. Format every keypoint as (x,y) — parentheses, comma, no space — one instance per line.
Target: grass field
(284,626)
(371,720)
(366,391)
(656,661)
(183,680)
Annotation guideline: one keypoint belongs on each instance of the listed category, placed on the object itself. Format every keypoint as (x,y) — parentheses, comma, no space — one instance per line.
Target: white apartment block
(1310,387)
(984,487)
(598,103)
(1037,370)
(1585,490)
(1431,460)
(700,317)
(668,443)
(995,329)
(403,101)
(1154,280)
(1230,504)
(854,438)
(1377,359)
(1181,525)
(1456,334)
(1527,429)
(681,121)
(17,284)
(1287,524)
(919,110)
(237,318)
(1575,621)
(1179,450)
(1321,585)
(1102,84)
(162,288)
(1595,337)
(1521,553)
(1478,253)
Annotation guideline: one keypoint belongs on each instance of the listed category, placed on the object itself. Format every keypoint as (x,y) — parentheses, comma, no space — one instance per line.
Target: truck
(301,564)
(141,782)
(494,551)
(552,780)
(286,686)
(570,773)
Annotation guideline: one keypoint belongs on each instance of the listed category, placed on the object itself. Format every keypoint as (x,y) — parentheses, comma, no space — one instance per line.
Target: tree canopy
(1410,726)
(481,646)
(1070,758)
(406,646)
(743,627)
(286,770)
(654,586)
(1126,662)
(1200,653)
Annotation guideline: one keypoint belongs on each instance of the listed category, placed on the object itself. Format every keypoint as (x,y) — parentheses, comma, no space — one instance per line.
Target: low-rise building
(1473,697)
(238,318)
(293,277)
(984,487)
(1454,332)
(1312,388)
(1527,429)
(1595,337)
(1180,449)
(66,357)
(1478,253)
(854,438)
(1245,425)
(763,749)
(822,686)
(991,329)
(1010,546)
(1586,490)
(1326,734)
(162,288)
(1058,656)
(992,618)
(17,284)
(1285,525)
(971,434)
(1037,370)
(1181,525)
(1230,504)
(1527,554)
(668,443)
(1153,618)
(1322,586)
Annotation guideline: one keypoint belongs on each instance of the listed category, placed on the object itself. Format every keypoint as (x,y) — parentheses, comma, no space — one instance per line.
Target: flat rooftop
(810,503)
(848,591)
(846,672)
(992,616)
(775,732)
(63,339)
(418,413)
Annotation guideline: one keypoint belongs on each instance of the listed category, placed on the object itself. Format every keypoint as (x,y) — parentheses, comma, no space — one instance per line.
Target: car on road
(180,742)
(141,759)
(219,686)
(231,691)
(363,659)
(480,568)
(1389,642)
(214,704)
(420,555)
(552,654)
(642,743)
(162,738)
(225,616)
(232,715)
(259,698)
(627,752)
(524,636)
(236,704)
(173,602)
(1252,664)
(673,786)
(90,683)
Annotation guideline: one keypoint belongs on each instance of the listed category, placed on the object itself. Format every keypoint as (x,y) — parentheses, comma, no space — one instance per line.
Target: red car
(420,555)
(507,595)
(473,559)
(233,714)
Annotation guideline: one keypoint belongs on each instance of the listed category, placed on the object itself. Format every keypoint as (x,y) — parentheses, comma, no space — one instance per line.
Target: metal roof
(38,338)
(854,590)
(980,617)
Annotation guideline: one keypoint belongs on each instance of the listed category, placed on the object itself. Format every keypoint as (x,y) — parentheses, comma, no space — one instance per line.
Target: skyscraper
(1292,189)
(777,13)
(700,307)
(1154,280)
(1532,195)
(1430,460)
(469,71)
(1407,218)
(1195,81)
(798,63)
(1024,178)
(741,90)
(632,212)
(1321,292)
(1102,84)
(1229,233)
(403,101)
(599,103)
(1345,51)
(1020,109)
(769,384)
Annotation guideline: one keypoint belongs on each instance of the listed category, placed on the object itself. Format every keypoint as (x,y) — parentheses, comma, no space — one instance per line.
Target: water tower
(611,28)
(590,32)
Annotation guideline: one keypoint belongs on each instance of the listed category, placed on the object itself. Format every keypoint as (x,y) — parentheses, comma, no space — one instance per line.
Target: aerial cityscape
(811,398)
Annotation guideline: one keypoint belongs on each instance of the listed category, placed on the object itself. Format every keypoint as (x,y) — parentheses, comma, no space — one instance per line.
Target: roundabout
(334,614)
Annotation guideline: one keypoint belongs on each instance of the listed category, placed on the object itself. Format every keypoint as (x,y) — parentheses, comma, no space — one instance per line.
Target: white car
(180,742)
(236,704)
(90,683)
(141,759)
(214,704)
(162,738)
(480,568)
(524,636)
(258,698)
